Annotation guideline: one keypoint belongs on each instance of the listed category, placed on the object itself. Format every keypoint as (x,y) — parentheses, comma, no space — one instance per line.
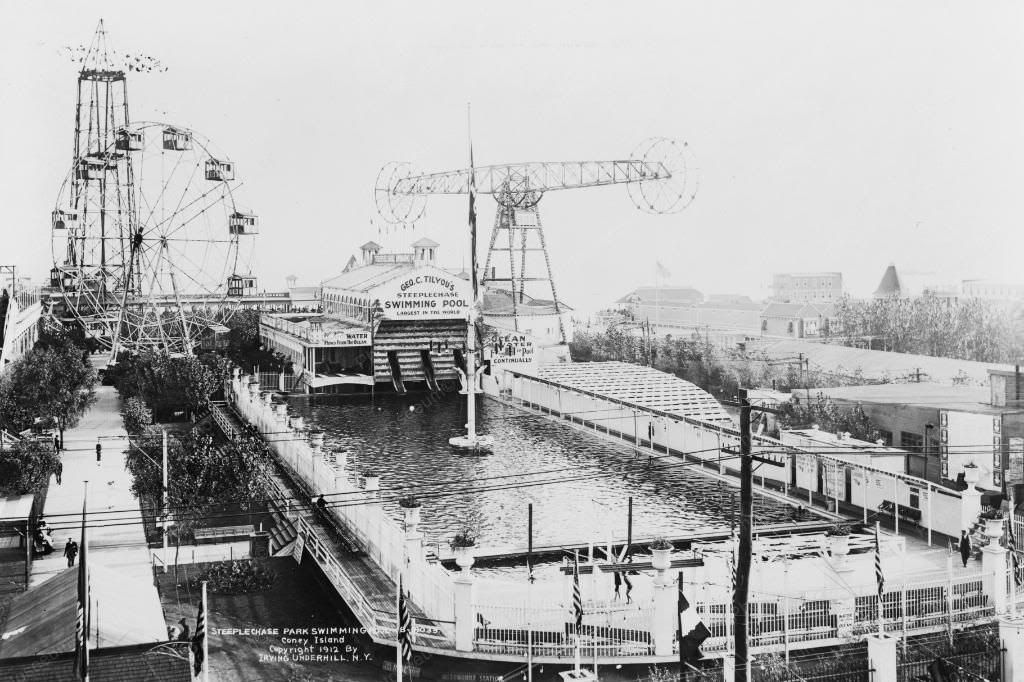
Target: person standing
(60,470)
(56,443)
(965,547)
(99,452)
(71,551)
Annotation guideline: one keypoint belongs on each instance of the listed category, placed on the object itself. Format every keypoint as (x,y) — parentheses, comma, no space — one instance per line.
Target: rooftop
(877,364)
(936,396)
(636,385)
(837,444)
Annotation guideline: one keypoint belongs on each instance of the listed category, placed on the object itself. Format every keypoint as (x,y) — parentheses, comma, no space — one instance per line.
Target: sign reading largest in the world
(426,293)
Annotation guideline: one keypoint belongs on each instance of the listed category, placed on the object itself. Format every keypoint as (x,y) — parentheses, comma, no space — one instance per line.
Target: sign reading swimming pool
(424,294)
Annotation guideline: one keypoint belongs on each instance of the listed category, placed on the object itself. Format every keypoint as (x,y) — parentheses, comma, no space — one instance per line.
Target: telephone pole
(741,593)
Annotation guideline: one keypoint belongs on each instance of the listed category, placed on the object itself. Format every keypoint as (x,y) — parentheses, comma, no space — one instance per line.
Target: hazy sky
(830,136)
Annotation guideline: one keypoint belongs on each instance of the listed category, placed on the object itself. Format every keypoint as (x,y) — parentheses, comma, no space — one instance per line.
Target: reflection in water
(409,450)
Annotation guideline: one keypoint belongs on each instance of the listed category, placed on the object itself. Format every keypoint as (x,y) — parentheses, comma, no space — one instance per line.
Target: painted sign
(1015,470)
(424,294)
(353,337)
(510,349)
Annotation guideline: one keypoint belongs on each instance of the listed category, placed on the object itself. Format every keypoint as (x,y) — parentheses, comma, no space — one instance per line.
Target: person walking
(56,443)
(60,470)
(965,547)
(71,551)
(99,452)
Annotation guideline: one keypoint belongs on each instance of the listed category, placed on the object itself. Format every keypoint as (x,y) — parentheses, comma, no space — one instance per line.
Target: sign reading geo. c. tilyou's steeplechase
(425,294)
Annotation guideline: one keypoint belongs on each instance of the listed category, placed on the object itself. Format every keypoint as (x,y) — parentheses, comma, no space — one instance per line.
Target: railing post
(1011,634)
(882,657)
(664,618)
(993,565)
(465,616)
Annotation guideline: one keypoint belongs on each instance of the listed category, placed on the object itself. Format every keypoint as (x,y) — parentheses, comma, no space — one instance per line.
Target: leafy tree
(26,467)
(828,416)
(166,383)
(136,415)
(55,383)
(244,346)
(203,475)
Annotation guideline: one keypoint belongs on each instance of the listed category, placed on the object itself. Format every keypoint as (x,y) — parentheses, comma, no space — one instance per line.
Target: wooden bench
(216,533)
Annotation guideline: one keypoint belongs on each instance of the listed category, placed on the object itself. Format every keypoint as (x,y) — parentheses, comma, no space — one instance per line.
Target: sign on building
(1015,469)
(424,294)
(511,350)
(352,337)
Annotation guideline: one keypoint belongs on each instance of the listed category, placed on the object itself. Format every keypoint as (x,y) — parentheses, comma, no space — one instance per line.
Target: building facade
(807,287)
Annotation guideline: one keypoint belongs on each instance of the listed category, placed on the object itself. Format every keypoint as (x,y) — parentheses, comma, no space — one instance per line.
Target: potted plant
(411,505)
(462,544)
(971,474)
(371,481)
(660,551)
(839,539)
(993,518)
(316,438)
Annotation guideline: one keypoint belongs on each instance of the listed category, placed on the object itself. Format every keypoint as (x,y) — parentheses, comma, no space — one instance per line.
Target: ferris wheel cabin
(220,170)
(177,140)
(93,166)
(243,223)
(241,285)
(129,140)
(63,220)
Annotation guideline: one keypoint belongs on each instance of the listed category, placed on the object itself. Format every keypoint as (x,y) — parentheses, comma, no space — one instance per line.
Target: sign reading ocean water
(347,338)
(510,350)
(425,294)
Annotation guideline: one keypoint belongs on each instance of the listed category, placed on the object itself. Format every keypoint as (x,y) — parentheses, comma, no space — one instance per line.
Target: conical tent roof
(890,284)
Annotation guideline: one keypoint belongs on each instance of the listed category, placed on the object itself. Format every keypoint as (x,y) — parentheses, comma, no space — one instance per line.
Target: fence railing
(983,665)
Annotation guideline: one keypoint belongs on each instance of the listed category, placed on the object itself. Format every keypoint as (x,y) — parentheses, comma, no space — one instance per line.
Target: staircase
(418,351)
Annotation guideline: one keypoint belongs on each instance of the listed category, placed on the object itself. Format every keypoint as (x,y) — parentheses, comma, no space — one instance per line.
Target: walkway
(120,547)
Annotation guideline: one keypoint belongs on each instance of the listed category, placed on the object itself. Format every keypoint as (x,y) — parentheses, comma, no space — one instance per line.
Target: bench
(216,533)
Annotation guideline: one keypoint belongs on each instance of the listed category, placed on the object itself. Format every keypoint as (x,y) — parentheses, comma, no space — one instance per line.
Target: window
(915,498)
(789,328)
(912,441)
(885,436)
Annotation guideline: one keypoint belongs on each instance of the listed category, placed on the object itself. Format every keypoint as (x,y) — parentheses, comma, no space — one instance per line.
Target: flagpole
(577,602)
(206,637)
(83,593)
(398,631)
(878,579)
(529,592)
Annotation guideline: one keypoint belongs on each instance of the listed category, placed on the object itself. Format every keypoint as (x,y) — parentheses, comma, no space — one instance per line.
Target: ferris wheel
(149,245)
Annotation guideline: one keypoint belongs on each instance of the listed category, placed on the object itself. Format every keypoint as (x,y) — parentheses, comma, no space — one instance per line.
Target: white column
(664,618)
(882,657)
(465,616)
(993,566)
(729,668)
(1011,634)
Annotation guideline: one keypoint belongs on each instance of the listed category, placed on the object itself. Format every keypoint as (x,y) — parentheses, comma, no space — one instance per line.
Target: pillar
(882,657)
(1011,634)
(729,668)
(465,613)
(993,567)
(664,618)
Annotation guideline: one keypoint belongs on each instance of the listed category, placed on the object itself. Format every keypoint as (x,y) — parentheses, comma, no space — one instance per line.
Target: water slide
(428,370)
(396,371)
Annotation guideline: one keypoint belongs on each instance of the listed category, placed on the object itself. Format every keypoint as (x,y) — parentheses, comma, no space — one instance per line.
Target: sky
(829,136)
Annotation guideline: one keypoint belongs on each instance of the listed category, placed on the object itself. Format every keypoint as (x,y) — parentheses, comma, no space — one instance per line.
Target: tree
(54,383)
(244,346)
(27,467)
(136,415)
(820,411)
(204,475)
(166,383)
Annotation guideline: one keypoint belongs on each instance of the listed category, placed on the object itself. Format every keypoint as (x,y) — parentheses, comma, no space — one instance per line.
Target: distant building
(992,290)
(807,287)
(946,427)
(799,320)
(913,285)
(662,296)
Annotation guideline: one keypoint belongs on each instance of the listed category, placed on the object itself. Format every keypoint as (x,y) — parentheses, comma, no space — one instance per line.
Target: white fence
(359,511)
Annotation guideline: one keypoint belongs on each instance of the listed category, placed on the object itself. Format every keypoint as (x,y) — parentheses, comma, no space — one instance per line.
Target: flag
(734,541)
(662,270)
(82,614)
(1011,544)
(404,624)
(199,640)
(577,596)
(472,221)
(879,578)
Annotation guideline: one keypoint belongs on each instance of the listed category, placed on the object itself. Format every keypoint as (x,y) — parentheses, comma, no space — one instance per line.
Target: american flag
(577,596)
(879,578)
(198,643)
(734,543)
(472,217)
(404,624)
(82,615)
(1011,544)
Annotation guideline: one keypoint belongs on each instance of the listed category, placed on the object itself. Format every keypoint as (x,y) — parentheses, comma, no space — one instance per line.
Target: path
(121,545)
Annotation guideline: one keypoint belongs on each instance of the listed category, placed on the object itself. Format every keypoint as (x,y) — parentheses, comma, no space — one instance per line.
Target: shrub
(136,416)
(839,530)
(661,543)
(464,538)
(409,502)
(991,513)
(236,577)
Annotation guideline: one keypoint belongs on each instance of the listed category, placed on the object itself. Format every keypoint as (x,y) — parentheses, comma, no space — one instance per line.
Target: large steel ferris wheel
(149,245)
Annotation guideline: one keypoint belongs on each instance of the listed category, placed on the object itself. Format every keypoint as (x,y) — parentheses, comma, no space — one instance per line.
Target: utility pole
(743,560)
(165,499)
